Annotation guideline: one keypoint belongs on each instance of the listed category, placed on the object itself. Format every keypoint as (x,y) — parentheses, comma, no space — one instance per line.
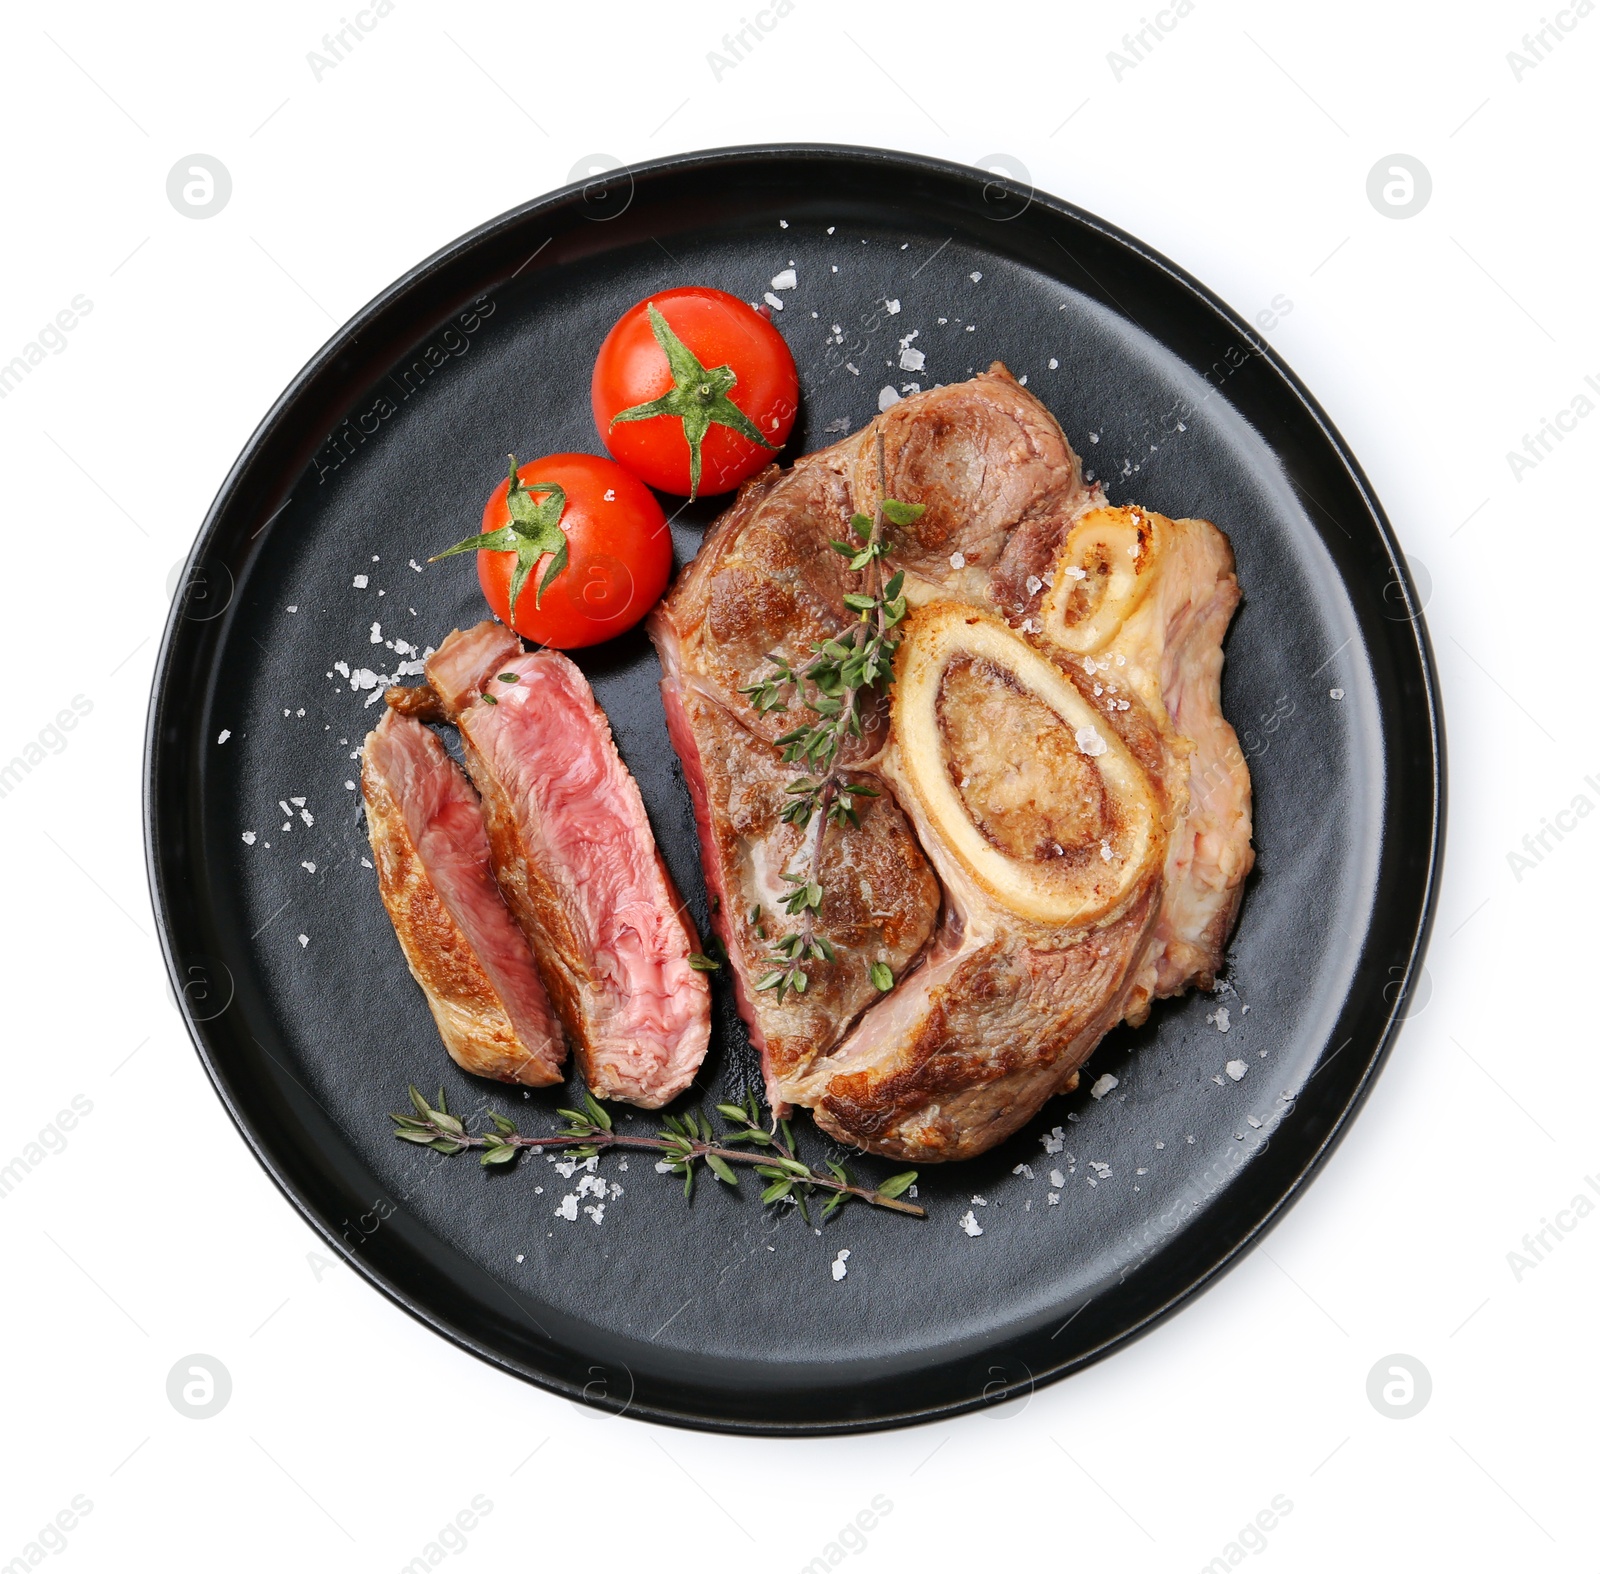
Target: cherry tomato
(619,554)
(694,391)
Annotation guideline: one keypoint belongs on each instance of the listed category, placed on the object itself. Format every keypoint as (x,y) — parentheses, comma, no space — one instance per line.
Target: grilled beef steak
(576,860)
(1053,749)
(462,944)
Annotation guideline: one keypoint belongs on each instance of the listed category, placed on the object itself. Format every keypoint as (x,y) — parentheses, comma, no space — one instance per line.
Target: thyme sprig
(686,1143)
(843,673)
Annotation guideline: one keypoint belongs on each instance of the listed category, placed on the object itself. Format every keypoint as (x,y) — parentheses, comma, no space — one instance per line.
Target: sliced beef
(576,860)
(462,944)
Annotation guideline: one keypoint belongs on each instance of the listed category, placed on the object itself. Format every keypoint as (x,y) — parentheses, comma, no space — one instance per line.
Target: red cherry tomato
(619,554)
(737,379)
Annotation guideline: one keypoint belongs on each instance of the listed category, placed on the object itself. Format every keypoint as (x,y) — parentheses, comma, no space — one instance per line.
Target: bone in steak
(460,941)
(1052,749)
(575,857)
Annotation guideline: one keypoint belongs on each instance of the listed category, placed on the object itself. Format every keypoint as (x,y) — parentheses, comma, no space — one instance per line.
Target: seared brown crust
(469,1014)
(880,900)
(1005,1030)
(418,701)
(979,456)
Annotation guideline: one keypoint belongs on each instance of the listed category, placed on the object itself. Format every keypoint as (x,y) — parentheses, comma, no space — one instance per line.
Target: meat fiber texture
(1063,826)
(463,946)
(575,858)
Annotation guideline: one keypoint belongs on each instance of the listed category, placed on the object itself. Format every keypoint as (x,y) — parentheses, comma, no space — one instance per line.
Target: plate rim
(1429,696)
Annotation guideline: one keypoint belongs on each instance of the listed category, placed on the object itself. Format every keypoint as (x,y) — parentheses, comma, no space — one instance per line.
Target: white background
(1240,147)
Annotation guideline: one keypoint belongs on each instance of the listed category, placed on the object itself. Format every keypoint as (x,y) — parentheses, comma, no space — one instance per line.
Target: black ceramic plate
(720,1313)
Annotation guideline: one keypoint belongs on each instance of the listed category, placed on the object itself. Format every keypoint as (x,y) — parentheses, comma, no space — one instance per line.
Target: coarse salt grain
(359,582)
(773,301)
(1090,742)
(248,837)
(1103,1084)
(1223,1023)
(224,735)
(569,1207)
(304,940)
(1054,1140)
(838,1265)
(969,1223)
(1236,1069)
(1335,694)
(958,560)
(786,280)
(892,307)
(887,396)
(974,276)
(1057,1179)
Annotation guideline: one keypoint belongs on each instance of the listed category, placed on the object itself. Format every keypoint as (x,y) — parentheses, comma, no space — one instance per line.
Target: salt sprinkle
(1025,1170)
(839,1269)
(1053,1198)
(892,307)
(224,735)
(1057,1179)
(569,1207)
(1090,742)
(887,396)
(974,276)
(249,838)
(308,866)
(970,1224)
(1236,1069)
(773,301)
(1103,1084)
(912,360)
(1054,1140)
(1335,694)
(360,582)
(305,940)
(1052,363)
(1223,1023)
(786,280)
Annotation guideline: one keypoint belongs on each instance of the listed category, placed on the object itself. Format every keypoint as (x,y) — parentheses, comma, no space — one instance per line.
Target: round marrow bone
(1107,565)
(1057,827)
